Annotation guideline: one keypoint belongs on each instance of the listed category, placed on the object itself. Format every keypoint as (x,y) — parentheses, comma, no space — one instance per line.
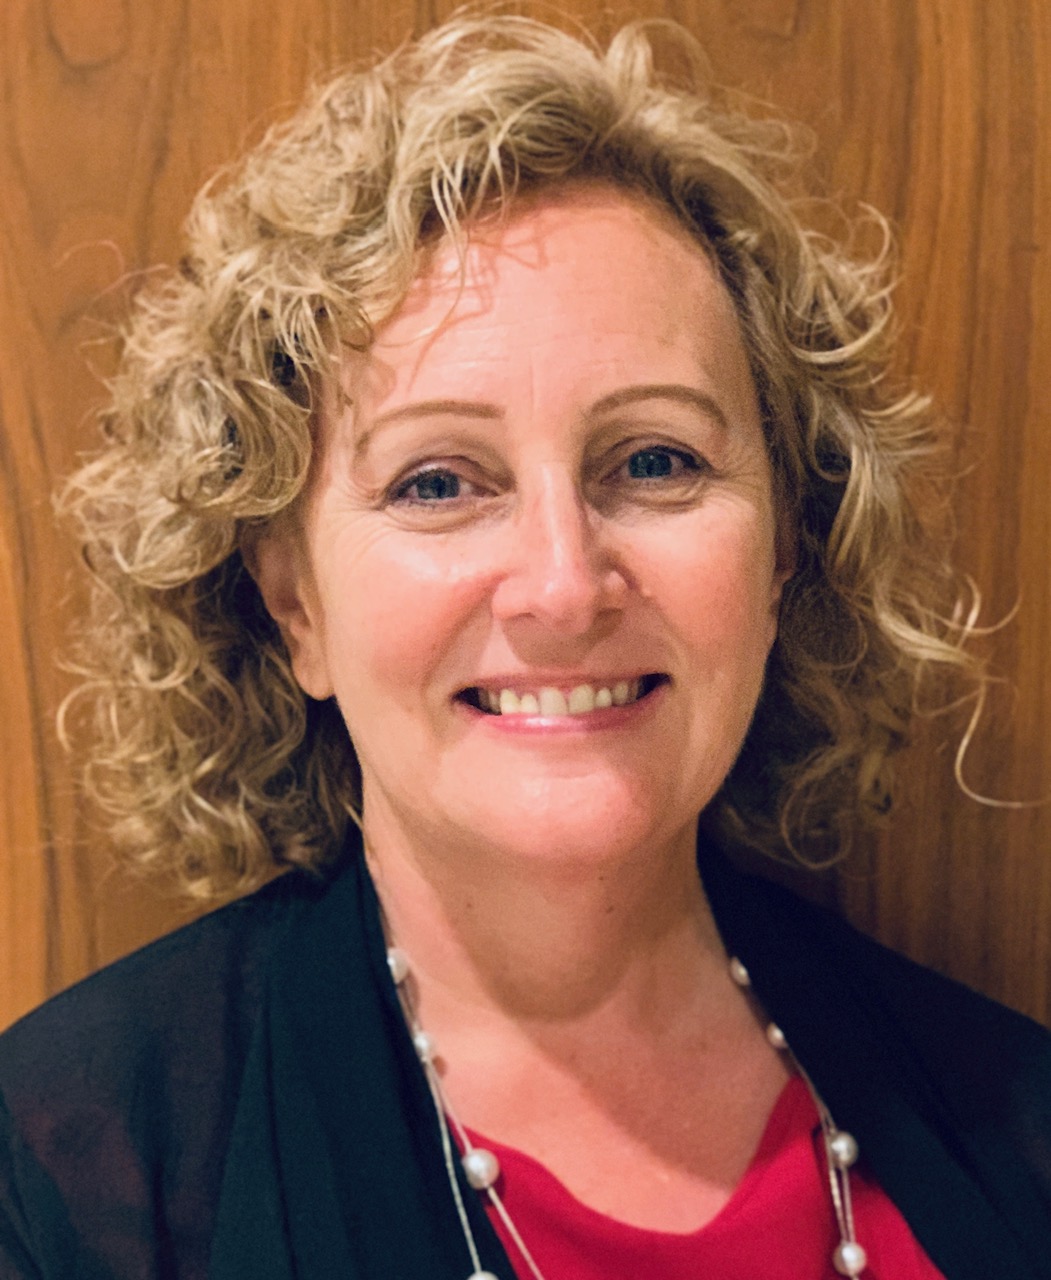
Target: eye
(433,485)
(658,462)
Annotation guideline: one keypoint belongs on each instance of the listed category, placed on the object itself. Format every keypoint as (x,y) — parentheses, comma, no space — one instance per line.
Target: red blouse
(778,1224)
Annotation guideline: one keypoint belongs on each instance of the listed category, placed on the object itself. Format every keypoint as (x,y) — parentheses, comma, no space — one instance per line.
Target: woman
(509,472)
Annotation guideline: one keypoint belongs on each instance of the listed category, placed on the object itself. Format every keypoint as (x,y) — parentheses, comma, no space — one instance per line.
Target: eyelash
(401,491)
(690,463)
(691,466)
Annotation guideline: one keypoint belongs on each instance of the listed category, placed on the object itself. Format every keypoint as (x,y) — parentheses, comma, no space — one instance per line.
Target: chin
(573,834)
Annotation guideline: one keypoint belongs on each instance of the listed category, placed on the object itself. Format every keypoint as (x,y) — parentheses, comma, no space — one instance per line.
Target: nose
(561,570)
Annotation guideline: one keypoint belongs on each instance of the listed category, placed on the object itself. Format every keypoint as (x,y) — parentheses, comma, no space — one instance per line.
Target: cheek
(397,617)
(723,595)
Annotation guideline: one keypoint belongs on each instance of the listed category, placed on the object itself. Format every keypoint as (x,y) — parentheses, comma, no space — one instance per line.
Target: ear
(278,563)
(786,562)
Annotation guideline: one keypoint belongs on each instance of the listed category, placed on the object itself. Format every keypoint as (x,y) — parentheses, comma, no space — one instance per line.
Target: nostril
(569,598)
(558,569)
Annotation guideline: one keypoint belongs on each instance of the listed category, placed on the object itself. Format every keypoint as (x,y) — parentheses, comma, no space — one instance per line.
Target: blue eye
(659,464)
(435,485)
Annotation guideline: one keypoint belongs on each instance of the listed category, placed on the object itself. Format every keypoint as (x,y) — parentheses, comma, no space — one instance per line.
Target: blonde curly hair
(210,759)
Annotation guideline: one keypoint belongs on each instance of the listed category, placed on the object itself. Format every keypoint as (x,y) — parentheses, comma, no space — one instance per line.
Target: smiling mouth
(548,700)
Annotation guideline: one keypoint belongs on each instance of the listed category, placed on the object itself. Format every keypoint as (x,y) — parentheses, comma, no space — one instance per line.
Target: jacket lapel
(335,1169)
(861,1020)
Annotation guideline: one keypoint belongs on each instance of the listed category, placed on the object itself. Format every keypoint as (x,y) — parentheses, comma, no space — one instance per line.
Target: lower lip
(604,720)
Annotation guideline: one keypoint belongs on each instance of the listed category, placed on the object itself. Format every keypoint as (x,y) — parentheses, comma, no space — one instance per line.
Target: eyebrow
(435,408)
(484,411)
(663,391)
(428,409)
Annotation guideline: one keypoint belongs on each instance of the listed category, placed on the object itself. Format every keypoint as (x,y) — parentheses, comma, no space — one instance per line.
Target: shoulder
(170,997)
(800,950)
(927,1007)
(947,1091)
(117,1096)
(866,1019)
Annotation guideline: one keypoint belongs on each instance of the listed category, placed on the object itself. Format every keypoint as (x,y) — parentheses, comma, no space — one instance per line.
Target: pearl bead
(398,964)
(844,1149)
(850,1259)
(425,1046)
(739,973)
(482,1275)
(776,1036)
(482,1168)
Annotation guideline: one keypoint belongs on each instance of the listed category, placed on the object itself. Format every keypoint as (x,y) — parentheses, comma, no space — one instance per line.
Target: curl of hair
(210,759)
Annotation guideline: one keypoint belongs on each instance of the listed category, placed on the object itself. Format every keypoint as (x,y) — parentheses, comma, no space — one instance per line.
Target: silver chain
(481,1168)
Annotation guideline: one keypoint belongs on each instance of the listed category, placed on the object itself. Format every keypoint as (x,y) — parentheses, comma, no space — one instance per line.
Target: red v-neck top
(779,1223)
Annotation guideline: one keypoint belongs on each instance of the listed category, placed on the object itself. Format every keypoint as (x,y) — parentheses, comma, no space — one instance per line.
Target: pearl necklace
(482,1169)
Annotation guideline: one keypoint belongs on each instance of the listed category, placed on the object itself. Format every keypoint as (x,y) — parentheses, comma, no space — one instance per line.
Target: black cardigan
(245,1091)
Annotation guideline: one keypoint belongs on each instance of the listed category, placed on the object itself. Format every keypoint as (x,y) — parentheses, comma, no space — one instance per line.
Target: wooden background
(936,111)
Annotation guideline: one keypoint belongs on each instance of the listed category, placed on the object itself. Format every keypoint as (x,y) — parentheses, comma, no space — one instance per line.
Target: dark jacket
(244,1091)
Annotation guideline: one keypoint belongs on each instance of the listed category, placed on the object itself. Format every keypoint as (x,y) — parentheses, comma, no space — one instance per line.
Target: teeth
(549,701)
(581,700)
(552,703)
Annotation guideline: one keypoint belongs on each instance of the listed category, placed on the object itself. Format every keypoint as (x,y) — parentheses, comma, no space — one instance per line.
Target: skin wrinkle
(563,546)
(215,400)
(553,557)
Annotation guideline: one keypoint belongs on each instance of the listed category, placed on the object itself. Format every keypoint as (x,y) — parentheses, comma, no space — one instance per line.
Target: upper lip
(558,679)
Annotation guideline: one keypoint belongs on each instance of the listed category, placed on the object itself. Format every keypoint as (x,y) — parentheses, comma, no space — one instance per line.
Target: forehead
(588,281)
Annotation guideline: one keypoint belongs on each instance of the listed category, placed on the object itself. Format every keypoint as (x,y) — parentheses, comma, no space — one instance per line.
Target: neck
(547,942)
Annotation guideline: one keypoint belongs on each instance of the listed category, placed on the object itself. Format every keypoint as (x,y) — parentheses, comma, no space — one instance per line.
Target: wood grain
(936,111)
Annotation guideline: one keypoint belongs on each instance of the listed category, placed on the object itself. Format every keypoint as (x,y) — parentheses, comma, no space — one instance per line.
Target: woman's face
(547,477)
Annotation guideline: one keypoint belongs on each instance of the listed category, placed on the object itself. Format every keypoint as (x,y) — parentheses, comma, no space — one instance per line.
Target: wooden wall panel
(936,111)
